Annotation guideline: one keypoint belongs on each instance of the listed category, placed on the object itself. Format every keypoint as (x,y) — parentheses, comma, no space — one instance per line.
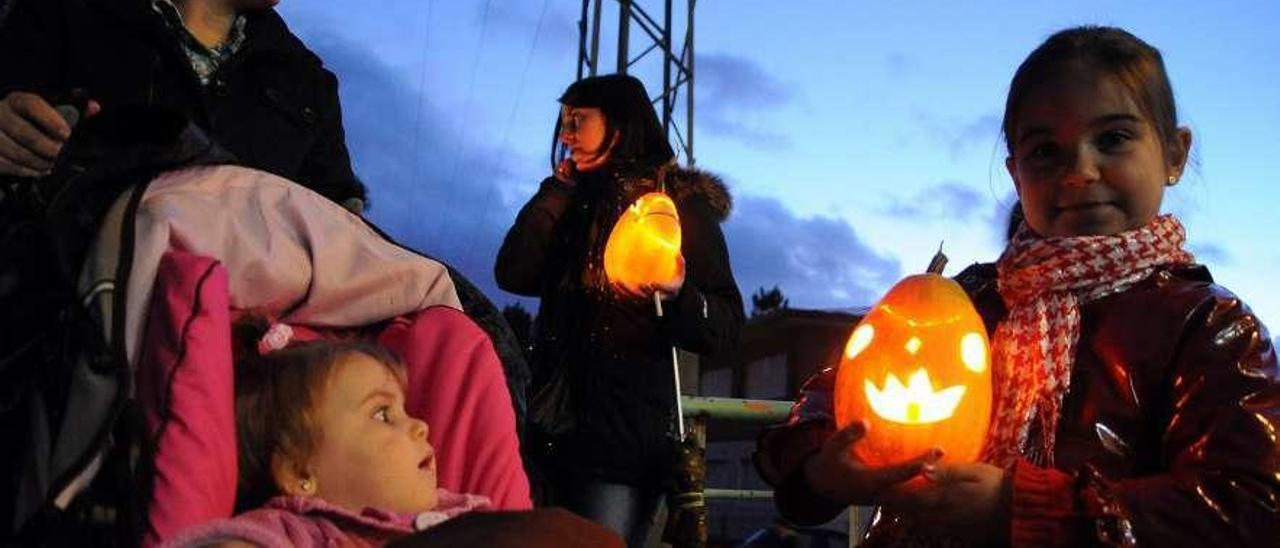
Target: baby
(328,455)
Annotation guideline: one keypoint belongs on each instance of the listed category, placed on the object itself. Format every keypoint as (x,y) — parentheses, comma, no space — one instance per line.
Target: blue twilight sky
(854,135)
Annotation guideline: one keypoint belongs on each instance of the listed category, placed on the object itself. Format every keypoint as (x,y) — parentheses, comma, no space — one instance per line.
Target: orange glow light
(924,331)
(644,246)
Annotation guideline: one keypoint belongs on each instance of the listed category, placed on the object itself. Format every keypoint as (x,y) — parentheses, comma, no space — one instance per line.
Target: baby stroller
(120,276)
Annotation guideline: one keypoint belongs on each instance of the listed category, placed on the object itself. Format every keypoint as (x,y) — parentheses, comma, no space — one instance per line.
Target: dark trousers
(628,510)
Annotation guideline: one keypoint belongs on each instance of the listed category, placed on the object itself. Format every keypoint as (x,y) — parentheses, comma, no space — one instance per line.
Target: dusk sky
(855,136)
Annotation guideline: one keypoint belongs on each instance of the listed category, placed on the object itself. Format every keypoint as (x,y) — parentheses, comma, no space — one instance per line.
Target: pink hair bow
(276,337)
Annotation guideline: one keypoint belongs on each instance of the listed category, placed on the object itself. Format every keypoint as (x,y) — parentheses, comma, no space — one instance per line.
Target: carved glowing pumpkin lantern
(918,369)
(645,243)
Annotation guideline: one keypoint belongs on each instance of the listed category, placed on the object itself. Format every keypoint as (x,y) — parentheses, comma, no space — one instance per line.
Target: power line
(422,90)
(466,115)
(515,108)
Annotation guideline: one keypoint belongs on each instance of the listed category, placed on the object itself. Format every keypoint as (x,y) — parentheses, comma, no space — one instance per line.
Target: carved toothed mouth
(916,402)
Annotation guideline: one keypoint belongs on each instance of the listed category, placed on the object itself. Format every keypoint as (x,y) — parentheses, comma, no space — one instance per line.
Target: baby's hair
(1134,64)
(275,394)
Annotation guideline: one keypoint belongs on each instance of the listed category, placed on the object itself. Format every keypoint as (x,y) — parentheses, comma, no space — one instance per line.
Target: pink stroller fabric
(184,385)
(456,384)
(184,382)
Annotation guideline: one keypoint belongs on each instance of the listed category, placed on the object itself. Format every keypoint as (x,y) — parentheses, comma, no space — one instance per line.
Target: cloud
(734,94)
(900,64)
(443,198)
(818,262)
(962,137)
(949,200)
(556,30)
(1211,254)
(427,190)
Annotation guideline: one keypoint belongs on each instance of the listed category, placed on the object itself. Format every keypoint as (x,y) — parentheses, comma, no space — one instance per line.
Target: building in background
(778,351)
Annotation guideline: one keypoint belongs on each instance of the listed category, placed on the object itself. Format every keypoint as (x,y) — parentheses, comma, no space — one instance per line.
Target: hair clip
(276,337)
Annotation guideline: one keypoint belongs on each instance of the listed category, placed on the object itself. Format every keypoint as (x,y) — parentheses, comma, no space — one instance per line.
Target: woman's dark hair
(627,109)
(275,395)
(1134,64)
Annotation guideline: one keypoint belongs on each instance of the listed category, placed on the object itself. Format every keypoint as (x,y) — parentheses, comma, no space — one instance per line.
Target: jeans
(627,510)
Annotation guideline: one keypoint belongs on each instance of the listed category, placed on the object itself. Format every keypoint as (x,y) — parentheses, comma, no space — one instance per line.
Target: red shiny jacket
(1168,435)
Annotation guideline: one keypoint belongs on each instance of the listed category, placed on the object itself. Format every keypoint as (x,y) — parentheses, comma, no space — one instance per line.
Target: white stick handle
(675,371)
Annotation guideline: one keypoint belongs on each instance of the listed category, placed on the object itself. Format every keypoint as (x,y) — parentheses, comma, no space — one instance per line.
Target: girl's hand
(837,474)
(958,500)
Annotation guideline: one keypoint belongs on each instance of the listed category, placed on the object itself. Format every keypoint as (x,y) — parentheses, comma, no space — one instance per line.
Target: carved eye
(913,345)
(973,352)
(860,340)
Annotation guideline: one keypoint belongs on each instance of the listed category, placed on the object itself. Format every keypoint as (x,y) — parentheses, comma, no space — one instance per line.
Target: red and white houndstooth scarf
(1043,281)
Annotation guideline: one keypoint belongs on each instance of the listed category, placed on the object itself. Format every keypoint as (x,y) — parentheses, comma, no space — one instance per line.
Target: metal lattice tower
(677,64)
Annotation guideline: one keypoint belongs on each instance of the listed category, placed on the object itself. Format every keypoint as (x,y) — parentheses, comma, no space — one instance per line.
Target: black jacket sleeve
(31,40)
(522,259)
(327,166)
(781,452)
(706,316)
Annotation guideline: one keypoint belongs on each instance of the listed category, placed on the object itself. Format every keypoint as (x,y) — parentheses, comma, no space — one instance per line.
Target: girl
(327,454)
(1136,401)
(600,352)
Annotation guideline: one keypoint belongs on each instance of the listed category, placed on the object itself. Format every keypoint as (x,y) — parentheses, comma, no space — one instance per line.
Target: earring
(306,486)
(1172,181)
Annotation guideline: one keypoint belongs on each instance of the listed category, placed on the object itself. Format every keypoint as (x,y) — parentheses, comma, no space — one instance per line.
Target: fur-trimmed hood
(688,182)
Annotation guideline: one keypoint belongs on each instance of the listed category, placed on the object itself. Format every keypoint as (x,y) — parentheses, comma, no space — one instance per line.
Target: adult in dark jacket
(230,66)
(613,448)
(1135,402)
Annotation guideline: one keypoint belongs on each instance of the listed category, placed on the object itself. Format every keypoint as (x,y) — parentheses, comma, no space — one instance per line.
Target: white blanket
(286,249)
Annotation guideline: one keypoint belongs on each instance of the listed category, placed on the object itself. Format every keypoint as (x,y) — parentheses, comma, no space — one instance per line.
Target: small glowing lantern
(918,369)
(644,246)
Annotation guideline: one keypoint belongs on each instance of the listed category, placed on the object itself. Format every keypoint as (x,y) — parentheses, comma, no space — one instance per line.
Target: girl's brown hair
(275,394)
(1134,64)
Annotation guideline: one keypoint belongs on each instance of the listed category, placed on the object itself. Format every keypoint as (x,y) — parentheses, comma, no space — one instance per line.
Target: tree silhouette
(767,302)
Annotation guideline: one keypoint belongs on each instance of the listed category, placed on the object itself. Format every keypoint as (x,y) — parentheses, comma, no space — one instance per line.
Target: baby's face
(370,453)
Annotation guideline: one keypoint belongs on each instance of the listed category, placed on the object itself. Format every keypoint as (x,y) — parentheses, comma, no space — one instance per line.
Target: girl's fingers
(849,435)
(894,474)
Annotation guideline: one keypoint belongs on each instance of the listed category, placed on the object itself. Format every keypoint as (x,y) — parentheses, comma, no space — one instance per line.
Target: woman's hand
(664,290)
(962,500)
(565,172)
(837,474)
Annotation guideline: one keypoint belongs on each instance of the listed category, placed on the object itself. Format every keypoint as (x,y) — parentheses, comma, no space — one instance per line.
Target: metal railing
(700,410)
(760,411)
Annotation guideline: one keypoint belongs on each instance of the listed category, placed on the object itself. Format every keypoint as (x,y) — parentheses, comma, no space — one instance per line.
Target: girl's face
(582,130)
(371,454)
(1086,160)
